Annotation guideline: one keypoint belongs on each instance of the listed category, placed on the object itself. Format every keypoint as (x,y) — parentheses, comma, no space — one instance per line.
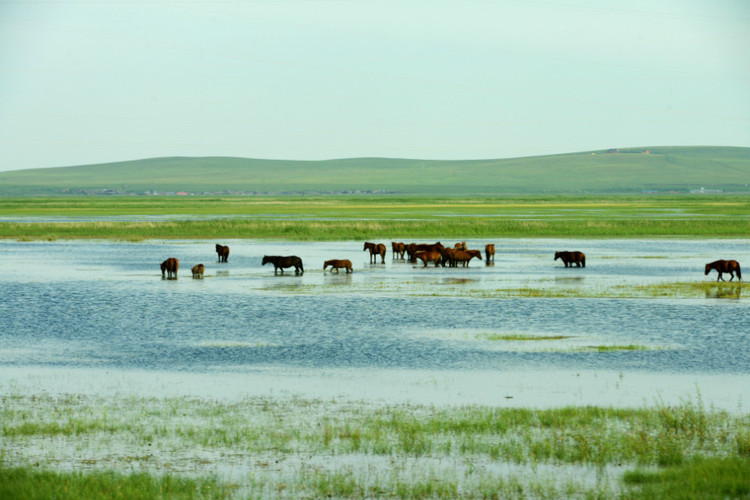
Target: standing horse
(338,264)
(170,266)
(375,250)
(570,258)
(464,256)
(223,252)
(725,266)
(284,262)
(489,252)
(198,270)
(429,256)
(398,249)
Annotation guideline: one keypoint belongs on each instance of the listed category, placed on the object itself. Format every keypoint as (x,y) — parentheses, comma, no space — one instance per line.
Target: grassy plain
(362,218)
(292,448)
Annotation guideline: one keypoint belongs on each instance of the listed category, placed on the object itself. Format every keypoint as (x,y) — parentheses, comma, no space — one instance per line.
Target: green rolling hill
(662,169)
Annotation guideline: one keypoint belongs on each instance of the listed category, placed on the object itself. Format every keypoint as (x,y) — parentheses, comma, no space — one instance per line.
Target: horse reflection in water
(170,267)
(281,263)
(725,266)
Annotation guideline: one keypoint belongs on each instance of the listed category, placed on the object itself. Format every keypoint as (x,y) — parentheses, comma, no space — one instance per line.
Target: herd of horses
(427,253)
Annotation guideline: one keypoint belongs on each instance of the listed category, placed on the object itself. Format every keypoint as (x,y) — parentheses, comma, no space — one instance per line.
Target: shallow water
(97,316)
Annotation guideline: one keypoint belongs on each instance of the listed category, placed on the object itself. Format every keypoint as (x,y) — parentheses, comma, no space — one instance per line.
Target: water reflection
(724,292)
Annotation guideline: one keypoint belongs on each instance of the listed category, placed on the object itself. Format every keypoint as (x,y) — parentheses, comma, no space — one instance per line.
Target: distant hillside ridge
(626,170)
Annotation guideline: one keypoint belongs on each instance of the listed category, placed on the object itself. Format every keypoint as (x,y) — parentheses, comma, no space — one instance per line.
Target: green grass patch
(712,478)
(25,483)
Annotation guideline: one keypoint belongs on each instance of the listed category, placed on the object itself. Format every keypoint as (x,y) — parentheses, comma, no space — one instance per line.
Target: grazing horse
(375,250)
(223,252)
(489,252)
(338,264)
(398,249)
(570,258)
(170,266)
(725,266)
(284,262)
(198,270)
(429,256)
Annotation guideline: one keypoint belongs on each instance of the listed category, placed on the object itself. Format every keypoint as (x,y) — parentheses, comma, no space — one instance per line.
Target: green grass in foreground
(291,448)
(25,483)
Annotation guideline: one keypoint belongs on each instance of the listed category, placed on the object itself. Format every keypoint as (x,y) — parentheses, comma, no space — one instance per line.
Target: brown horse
(375,250)
(398,249)
(570,258)
(464,256)
(725,266)
(198,270)
(170,266)
(223,252)
(489,252)
(429,256)
(460,246)
(338,264)
(284,262)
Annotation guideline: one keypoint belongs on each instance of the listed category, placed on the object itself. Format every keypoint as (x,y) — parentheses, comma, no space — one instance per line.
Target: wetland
(521,379)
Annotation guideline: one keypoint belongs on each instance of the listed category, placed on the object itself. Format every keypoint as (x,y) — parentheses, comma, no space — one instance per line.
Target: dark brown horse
(489,252)
(170,266)
(223,252)
(725,266)
(429,256)
(570,258)
(398,249)
(375,250)
(338,264)
(284,262)
(198,270)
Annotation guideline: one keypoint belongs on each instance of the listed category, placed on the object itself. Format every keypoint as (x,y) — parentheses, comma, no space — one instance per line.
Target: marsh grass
(294,447)
(363,218)
(494,337)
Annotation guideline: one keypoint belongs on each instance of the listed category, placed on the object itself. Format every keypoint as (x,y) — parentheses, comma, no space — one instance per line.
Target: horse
(725,266)
(570,258)
(198,270)
(489,252)
(170,266)
(375,250)
(284,262)
(223,252)
(464,256)
(429,256)
(398,249)
(338,264)
(460,246)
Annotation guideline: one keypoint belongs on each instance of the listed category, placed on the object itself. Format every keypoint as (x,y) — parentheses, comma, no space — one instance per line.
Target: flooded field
(395,380)
(641,321)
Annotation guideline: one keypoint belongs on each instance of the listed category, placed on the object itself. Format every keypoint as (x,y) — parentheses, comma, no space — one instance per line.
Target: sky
(93,81)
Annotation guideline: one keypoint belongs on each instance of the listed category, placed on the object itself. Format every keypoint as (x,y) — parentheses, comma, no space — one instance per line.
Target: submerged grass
(288,448)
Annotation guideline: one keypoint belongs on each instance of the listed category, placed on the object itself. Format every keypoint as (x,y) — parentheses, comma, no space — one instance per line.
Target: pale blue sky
(97,81)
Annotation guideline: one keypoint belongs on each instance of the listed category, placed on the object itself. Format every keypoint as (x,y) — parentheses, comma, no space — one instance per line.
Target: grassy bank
(291,448)
(409,219)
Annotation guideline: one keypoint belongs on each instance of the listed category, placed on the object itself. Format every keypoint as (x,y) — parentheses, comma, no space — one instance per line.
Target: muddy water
(98,317)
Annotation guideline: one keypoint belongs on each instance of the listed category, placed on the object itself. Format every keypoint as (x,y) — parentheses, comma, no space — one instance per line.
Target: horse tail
(739,272)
